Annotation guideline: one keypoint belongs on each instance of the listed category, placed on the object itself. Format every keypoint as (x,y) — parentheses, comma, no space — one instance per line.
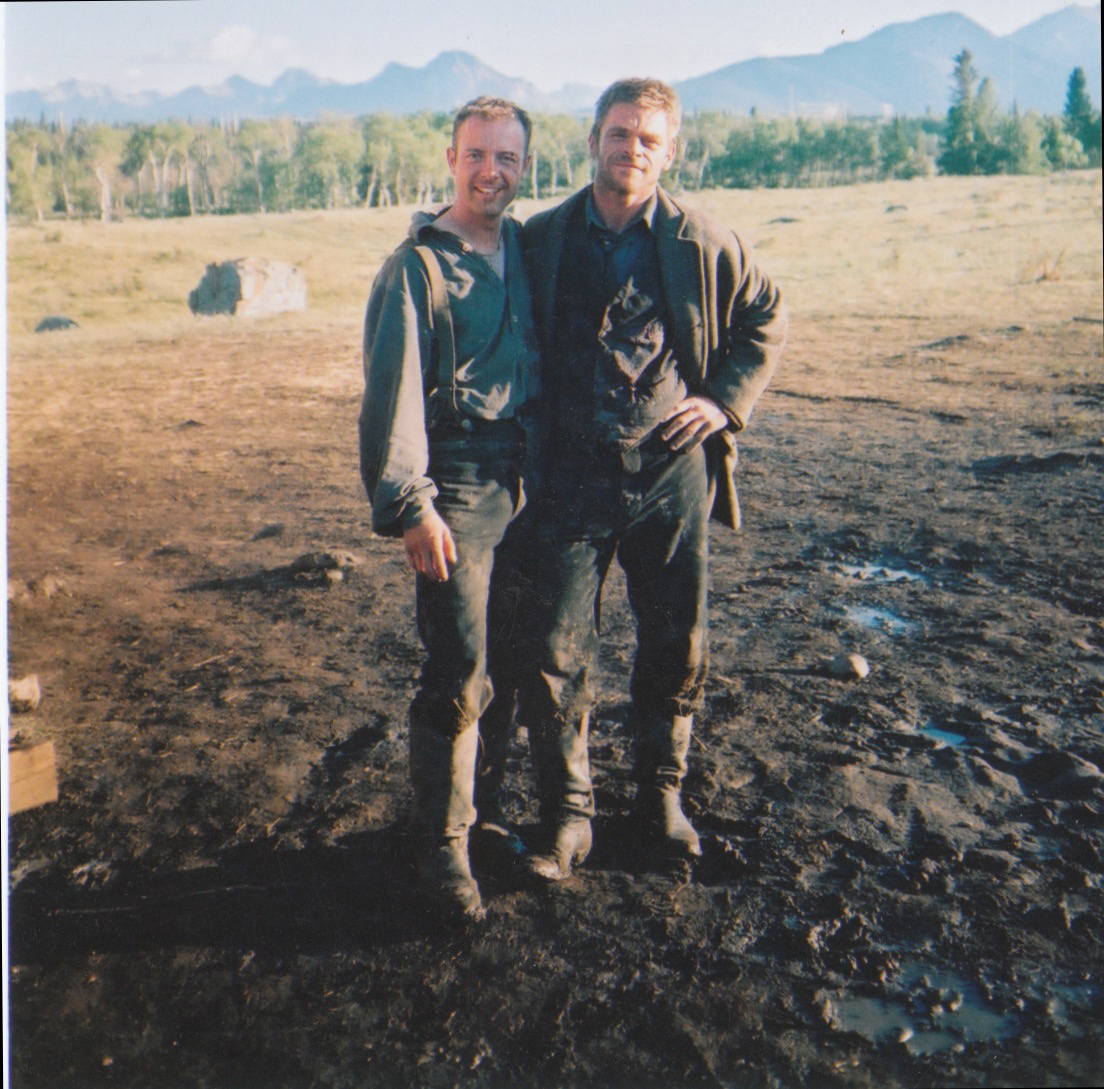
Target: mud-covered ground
(901,883)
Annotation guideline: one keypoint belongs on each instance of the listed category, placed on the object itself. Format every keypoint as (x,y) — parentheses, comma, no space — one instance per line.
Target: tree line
(177,168)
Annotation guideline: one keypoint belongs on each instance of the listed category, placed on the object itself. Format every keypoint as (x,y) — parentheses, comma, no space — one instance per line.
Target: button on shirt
(619,377)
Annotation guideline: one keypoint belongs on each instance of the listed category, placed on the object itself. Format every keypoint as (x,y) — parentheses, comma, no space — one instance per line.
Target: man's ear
(450,158)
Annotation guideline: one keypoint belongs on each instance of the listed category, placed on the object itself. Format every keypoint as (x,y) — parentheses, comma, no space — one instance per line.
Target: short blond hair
(651,94)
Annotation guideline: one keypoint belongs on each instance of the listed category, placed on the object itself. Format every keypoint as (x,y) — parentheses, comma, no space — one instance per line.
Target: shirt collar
(646,217)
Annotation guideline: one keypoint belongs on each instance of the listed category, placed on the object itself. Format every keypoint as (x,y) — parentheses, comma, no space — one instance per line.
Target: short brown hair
(651,94)
(493,109)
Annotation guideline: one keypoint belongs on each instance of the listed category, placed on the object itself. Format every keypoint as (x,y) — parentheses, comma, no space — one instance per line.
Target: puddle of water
(1072,1007)
(882,619)
(948,738)
(1093,669)
(942,1012)
(876,572)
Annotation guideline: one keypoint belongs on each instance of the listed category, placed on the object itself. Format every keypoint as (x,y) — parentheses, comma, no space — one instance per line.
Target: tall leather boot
(493,838)
(442,771)
(566,799)
(662,746)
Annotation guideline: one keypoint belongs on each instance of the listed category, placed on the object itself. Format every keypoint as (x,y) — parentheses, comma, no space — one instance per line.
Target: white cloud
(242,45)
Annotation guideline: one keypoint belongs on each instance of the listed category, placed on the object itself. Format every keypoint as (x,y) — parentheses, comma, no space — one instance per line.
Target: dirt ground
(902,874)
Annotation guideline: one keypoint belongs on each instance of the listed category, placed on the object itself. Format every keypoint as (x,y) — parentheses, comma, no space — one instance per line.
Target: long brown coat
(729,324)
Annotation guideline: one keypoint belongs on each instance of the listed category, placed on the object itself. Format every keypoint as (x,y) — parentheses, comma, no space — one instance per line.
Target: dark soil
(901,883)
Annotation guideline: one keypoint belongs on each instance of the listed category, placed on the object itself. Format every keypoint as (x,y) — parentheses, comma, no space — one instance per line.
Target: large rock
(25,694)
(248,287)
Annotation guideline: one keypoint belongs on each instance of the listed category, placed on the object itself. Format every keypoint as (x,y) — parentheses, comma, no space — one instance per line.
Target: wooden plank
(32,776)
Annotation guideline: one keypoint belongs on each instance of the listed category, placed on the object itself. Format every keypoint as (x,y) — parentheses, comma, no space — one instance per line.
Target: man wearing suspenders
(450,367)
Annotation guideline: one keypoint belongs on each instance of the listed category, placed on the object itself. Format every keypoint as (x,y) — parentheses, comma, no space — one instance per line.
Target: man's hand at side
(430,547)
(692,421)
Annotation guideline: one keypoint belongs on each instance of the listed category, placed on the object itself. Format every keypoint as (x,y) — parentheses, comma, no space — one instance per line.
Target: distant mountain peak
(901,67)
(297,77)
(456,56)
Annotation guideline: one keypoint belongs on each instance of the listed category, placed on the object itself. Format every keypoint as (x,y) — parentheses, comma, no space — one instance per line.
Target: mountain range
(901,69)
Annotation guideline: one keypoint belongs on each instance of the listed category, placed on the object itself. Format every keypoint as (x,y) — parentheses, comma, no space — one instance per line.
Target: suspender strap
(442,324)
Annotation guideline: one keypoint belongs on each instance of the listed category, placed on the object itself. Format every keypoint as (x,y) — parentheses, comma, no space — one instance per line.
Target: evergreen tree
(1080,119)
(960,153)
(972,143)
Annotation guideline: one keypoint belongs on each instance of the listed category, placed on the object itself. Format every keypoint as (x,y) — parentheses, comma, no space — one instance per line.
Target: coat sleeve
(398,355)
(746,328)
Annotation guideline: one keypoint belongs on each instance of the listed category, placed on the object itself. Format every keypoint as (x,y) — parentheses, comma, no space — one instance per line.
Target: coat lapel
(553,254)
(683,274)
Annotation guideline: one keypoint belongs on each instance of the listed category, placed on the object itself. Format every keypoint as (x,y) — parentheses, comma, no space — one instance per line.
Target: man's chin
(624,186)
(493,205)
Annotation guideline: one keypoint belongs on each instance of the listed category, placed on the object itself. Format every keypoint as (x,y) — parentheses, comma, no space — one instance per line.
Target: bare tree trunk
(186,170)
(166,164)
(256,157)
(702,167)
(158,182)
(31,171)
(104,179)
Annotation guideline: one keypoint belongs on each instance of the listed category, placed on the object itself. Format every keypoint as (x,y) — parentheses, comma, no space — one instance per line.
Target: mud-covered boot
(442,771)
(446,875)
(494,841)
(657,808)
(566,799)
(571,840)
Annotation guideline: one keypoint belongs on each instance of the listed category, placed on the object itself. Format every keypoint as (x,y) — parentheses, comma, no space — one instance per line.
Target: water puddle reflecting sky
(876,572)
(879,619)
(946,736)
(941,1012)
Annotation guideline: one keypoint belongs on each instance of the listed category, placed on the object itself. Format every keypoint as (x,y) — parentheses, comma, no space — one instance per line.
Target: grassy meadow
(1012,248)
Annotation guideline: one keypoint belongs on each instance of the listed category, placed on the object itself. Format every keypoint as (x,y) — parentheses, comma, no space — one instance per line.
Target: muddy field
(902,877)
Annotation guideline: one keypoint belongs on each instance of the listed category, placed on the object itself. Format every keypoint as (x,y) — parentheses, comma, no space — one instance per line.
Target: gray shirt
(496,362)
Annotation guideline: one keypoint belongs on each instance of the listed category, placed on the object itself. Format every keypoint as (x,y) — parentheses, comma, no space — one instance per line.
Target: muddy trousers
(655,521)
(465,626)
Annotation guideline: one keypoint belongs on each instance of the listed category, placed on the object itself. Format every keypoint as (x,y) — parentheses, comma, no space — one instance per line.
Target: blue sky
(165,45)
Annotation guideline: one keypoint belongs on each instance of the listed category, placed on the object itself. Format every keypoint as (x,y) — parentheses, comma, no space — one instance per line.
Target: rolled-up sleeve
(398,354)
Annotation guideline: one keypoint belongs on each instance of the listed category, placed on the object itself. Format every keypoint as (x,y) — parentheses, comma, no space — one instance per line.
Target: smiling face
(487,160)
(632,149)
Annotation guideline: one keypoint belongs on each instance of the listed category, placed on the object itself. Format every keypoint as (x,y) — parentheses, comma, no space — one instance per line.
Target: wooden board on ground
(32,776)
